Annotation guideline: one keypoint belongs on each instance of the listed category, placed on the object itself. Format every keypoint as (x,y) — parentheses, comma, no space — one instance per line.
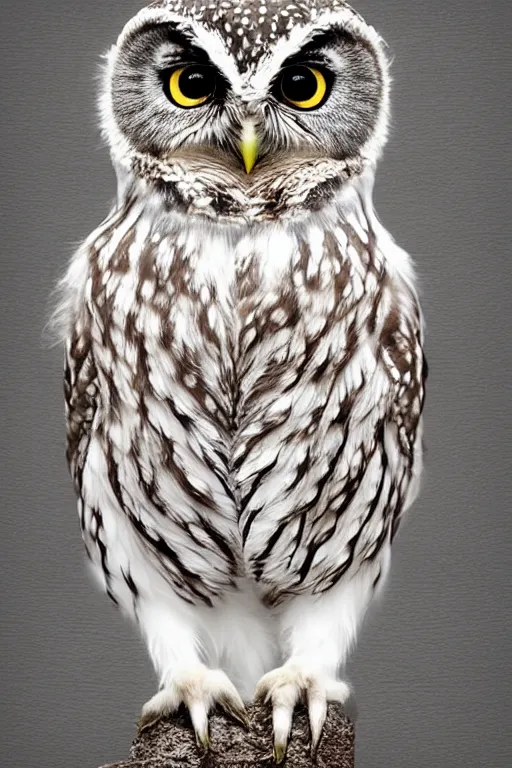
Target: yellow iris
(178,95)
(318,96)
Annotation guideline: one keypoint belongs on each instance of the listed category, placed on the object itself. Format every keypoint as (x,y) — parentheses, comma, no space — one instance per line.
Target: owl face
(251,91)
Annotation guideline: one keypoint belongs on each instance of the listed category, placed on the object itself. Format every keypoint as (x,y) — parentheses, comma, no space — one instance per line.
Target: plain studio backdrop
(432,669)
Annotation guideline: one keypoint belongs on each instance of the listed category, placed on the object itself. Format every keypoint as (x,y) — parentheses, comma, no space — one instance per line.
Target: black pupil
(197,82)
(298,84)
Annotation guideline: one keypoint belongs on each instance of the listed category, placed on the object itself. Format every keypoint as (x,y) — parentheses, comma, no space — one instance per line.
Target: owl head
(251,109)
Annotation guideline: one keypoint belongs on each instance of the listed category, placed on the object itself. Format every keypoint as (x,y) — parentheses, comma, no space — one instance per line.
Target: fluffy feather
(244,375)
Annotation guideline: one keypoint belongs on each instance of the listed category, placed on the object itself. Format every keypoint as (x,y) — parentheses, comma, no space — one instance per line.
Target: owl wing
(136,423)
(331,458)
(403,359)
(80,391)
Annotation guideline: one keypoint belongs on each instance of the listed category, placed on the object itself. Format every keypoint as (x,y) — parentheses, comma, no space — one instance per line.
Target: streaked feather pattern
(254,395)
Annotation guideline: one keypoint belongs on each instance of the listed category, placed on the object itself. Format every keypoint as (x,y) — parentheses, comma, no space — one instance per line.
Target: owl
(244,376)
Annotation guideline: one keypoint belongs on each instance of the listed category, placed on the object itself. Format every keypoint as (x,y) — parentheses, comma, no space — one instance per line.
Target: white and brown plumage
(245,375)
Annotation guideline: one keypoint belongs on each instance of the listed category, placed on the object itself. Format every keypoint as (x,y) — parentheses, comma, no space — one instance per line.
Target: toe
(318,695)
(162,704)
(226,695)
(317,710)
(283,692)
(146,721)
(235,708)
(199,716)
(262,692)
(282,725)
(338,690)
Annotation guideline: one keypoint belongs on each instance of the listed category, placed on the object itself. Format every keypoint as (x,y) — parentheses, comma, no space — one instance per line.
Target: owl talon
(199,689)
(279,753)
(284,687)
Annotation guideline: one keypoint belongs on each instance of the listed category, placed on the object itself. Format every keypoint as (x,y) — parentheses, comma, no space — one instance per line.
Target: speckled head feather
(253,27)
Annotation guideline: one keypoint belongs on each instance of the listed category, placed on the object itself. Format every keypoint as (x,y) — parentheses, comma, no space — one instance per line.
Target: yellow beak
(249,146)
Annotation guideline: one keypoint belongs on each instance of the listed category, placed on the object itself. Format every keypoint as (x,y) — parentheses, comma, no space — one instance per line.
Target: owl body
(244,378)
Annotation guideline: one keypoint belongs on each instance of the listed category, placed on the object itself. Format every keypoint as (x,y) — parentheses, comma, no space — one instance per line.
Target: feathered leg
(173,642)
(317,633)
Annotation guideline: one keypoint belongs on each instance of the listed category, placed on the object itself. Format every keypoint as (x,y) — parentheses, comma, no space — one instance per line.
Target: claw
(145,722)
(262,696)
(317,709)
(203,740)
(199,689)
(199,717)
(235,709)
(282,720)
(284,687)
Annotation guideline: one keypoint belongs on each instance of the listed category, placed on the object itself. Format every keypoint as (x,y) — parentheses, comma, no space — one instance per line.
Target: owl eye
(303,87)
(190,86)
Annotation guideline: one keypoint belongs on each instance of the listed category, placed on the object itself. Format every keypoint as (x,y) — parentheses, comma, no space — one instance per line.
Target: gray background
(433,665)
